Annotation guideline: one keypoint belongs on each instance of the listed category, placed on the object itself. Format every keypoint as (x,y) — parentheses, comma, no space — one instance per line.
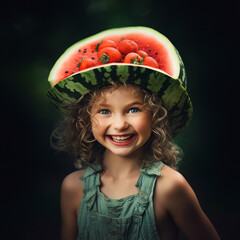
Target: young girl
(128,188)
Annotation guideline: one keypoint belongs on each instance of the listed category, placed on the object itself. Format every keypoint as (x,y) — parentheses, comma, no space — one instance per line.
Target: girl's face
(119,122)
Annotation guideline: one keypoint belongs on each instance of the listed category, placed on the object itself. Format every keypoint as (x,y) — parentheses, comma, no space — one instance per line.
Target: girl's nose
(119,123)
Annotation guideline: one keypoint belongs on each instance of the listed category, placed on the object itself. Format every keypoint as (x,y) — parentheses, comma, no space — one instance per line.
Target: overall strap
(150,175)
(90,183)
(146,184)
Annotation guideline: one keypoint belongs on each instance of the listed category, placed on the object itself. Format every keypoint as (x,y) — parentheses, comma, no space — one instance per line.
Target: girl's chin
(125,152)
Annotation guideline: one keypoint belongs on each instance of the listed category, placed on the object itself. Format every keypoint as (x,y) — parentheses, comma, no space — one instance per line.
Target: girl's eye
(104,111)
(134,110)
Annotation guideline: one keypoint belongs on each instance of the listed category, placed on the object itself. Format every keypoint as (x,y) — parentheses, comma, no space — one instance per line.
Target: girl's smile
(120,123)
(123,140)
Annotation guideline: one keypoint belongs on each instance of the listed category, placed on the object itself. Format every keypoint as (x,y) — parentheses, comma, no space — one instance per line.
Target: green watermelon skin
(172,92)
(182,77)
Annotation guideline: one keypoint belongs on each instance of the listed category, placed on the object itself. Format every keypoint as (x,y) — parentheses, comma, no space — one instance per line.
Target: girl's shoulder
(71,195)
(74,175)
(171,185)
(174,195)
(72,184)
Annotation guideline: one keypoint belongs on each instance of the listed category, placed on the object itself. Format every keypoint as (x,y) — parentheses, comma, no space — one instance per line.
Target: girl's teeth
(121,139)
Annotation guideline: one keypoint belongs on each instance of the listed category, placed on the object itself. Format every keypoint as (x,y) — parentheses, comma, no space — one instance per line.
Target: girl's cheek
(144,123)
(94,122)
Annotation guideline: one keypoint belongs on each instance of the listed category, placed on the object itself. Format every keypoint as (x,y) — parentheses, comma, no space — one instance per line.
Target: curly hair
(74,134)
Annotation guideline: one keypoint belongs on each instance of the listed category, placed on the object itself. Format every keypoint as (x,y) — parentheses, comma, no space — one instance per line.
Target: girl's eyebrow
(128,105)
(104,105)
(134,103)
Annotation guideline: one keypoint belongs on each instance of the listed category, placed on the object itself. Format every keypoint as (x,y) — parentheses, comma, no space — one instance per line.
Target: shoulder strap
(146,184)
(90,183)
(148,177)
(91,170)
(153,169)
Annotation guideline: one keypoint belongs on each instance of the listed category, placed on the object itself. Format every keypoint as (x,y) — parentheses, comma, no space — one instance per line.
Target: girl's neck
(121,166)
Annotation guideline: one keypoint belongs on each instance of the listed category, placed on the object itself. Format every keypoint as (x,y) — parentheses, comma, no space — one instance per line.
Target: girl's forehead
(118,94)
(119,97)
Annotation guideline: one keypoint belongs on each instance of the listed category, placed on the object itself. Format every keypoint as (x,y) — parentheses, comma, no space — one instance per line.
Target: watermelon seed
(79,50)
(84,51)
(149,50)
(156,53)
(93,58)
(66,71)
(72,72)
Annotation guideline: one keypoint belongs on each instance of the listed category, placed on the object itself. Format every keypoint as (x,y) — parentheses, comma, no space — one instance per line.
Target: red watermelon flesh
(71,59)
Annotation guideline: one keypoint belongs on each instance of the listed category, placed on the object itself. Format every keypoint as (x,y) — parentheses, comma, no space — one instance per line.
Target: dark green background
(35,33)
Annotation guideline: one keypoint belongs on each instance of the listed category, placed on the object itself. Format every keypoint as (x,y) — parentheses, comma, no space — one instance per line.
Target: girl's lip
(119,135)
(125,143)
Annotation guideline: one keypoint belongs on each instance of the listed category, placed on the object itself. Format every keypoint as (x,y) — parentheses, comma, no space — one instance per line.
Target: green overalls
(132,217)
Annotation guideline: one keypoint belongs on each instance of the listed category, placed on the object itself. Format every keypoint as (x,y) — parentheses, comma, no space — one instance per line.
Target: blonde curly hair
(74,134)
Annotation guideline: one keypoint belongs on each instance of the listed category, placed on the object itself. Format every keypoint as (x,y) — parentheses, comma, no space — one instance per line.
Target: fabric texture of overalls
(129,218)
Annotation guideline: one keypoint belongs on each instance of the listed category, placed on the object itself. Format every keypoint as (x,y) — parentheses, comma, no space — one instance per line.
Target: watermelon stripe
(182,76)
(182,106)
(114,75)
(99,73)
(165,86)
(133,76)
(53,98)
(176,107)
(182,73)
(180,120)
(82,80)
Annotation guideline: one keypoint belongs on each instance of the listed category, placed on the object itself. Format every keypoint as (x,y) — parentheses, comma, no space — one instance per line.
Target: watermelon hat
(131,55)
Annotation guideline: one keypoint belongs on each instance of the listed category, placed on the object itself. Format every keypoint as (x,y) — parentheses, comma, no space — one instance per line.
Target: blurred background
(35,33)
